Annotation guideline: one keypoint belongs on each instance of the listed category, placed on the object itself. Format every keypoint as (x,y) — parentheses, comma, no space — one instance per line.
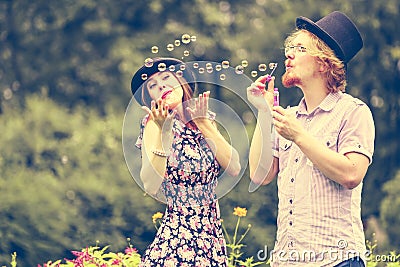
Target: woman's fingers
(145,108)
(200,107)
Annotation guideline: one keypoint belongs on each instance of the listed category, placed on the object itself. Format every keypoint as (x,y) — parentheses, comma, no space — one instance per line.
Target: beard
(290,80)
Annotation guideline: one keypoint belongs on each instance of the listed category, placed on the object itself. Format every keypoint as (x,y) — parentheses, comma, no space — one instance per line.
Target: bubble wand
(272,67)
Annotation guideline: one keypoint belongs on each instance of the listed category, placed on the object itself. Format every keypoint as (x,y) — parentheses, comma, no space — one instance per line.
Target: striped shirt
(319,220)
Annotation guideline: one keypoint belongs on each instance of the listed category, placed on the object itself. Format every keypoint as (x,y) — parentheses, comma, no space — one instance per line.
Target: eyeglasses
(295,49)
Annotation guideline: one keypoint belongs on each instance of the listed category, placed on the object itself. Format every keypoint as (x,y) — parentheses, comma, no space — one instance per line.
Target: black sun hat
(337,31)
(155,65)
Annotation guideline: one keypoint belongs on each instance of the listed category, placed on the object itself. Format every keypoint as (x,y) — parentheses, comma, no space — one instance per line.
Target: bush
(64,183)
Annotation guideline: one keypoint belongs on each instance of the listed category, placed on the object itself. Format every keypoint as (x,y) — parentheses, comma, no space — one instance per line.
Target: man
(321,150)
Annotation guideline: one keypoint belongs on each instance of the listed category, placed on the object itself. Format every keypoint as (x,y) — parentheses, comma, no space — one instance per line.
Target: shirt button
(292,180)
(290,201)
(290,212)
(290,223)
(296,160)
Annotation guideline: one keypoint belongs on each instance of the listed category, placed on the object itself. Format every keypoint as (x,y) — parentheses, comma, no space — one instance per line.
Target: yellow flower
(240,212)
(157,215)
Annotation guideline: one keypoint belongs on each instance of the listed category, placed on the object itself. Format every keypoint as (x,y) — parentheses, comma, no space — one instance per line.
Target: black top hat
(337,31)
(155,65)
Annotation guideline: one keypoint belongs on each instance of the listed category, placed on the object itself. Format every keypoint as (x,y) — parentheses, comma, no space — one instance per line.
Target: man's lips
(166,93)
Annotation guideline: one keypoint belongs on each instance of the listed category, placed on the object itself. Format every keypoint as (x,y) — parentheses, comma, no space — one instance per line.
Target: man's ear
(323,66)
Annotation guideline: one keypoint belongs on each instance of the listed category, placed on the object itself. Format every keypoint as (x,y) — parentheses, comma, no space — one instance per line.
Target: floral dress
(190,233)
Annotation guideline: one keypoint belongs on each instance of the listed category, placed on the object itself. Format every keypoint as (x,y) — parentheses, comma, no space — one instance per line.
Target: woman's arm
(157,140)
(153,166)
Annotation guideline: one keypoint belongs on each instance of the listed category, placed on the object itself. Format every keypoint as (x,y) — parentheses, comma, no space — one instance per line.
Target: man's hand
(286,123)
(259,97)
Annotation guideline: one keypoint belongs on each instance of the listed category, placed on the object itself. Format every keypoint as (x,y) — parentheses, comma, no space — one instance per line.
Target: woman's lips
(165,94)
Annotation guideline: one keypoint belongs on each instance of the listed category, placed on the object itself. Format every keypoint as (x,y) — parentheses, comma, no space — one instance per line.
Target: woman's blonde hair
(335,68)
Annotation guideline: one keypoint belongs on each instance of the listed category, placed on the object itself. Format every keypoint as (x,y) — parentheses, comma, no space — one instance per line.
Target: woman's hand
(160,114)
(262,99)
(200,110)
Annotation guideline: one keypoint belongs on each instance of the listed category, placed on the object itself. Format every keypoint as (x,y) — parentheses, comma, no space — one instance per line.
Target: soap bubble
(144,76)
(218,67)
(177,42)
(182,67)
(254,73)
(162,66)
(186,53)
(148,62)
(262,67)
(179,73)
(201,70)
(170,47)
(171,68)
(196,65)
(186,38)
(239,69)
(245,63)
(154,49)
(272,65)
(225,64)
(222,77)
(193,38)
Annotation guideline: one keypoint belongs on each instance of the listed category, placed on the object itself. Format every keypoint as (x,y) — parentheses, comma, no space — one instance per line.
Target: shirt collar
(327,104)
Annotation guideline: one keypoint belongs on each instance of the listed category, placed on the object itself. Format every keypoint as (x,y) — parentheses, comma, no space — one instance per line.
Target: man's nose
(289,54)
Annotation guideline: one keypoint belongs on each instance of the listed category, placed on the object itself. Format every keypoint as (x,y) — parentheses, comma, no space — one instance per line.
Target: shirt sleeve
(143,123)
(358,132)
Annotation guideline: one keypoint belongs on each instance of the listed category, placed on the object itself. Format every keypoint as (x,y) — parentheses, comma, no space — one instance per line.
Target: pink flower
(130,250)
(116,262)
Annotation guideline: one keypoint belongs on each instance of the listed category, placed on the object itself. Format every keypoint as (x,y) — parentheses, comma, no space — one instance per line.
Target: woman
(182,156)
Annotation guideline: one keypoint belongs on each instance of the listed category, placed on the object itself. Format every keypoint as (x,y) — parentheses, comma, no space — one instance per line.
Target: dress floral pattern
(190,233)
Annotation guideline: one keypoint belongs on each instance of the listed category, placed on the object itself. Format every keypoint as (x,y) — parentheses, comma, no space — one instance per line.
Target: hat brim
(138,80)
(311,26)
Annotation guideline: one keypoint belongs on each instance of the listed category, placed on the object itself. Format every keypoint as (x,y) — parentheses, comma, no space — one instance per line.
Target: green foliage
(235,245)
(98,257)
(65,69)
(94,256)
(390,208)
(64,182)
(379,260)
